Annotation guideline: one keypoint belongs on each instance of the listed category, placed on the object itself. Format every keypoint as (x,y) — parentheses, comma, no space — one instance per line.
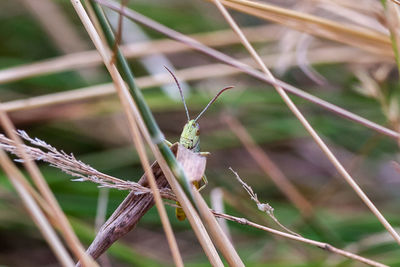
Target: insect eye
(198,132)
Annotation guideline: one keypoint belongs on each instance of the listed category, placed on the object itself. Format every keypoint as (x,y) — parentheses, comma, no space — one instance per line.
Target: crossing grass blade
(155,137)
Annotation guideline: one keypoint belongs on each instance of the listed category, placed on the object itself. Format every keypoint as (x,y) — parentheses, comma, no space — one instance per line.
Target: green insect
(190,138)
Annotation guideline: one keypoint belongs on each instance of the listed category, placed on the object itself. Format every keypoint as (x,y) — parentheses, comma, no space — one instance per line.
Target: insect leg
(205,181)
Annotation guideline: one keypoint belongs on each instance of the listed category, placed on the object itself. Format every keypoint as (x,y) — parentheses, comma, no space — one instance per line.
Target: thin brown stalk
(339,167)
(269,167)
(72,166)
(361,37)
(138,142)
(66,163)
(244,221)
(134,50)
(132,114)
(318,55)
(322,245)
(38,217)
(246,69)
(66,229)
(396,2)
(20,179)
(194,165)
(215,229)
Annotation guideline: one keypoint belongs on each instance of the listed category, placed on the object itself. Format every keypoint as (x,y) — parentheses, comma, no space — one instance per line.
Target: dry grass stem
(137,139)
(139,144)
(110,64)
(324,246)
(396,2)
(364,18)
(65,228)
(57,25)
(91,58)
(246,69)
(8,145)
(126,216)
(264,207)
(372,31)
(339,167)
(221,240)
(20,184)
(74,167)
(194,166)
(353,35)
(67,163)
(317,55)
(132,114)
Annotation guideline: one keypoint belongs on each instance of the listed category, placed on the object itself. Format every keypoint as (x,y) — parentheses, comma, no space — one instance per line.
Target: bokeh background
(95,129)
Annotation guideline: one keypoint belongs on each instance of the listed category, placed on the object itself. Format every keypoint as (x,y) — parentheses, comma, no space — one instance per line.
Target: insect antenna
(212,101)
(180,91)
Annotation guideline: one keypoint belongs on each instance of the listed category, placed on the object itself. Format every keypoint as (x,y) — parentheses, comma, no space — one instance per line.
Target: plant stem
(148,118)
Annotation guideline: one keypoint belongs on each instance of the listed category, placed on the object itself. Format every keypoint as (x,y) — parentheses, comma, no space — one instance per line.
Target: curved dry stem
(246,69)
(361,37)
(339,167)
(65,228)
(92,58)
(322,245)
(26,192)
(7,144)
(318,55)
(133,114)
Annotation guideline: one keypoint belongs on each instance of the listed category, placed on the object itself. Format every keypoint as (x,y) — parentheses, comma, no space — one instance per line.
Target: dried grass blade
(132,114)
(91,58)
(322,245)
(316,56)
(246,69)
(363,38)
(137,140)
(339,167)
(38,217)
(66,229)
(195,165)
